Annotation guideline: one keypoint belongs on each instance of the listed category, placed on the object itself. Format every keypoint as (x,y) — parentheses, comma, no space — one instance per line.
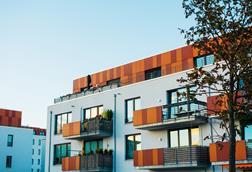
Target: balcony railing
(86,92)
(171,116)
(172,158)
(94,128)
(97,162)
(92,162)
(219,152)
(71,163)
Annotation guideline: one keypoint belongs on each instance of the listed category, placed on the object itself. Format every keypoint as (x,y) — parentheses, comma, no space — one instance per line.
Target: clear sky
(45,44)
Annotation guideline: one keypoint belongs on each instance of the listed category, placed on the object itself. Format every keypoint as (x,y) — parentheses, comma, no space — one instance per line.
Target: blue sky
(44,45)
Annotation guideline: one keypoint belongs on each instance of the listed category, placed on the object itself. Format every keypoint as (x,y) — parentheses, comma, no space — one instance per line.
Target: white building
(167,132)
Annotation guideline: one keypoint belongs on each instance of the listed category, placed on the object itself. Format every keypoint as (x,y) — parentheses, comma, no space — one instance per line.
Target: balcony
(184,114)
(219,153)
(92,162)
(172,158)
(94,128)
(71,163)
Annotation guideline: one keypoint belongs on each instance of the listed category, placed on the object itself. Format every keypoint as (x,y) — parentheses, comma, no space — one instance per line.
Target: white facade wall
(39,153)
(152,92)
(21,151)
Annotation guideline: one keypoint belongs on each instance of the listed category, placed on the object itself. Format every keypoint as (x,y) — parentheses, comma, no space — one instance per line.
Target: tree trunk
(232,143)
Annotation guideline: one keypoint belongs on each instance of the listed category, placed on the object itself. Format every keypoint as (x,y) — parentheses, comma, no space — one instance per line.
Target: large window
(93,146)
(180,103)
(8,161)
(90,113)
(131,106)
(248,134)
(133,142)
(184,137)
(204,60)
(60,120)
(153,73)
(61,151)
(10,140)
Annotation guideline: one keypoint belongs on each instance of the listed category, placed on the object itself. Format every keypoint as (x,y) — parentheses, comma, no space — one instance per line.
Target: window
(178,100)
(204,60)
(10,140)
(32,151)
(90,113)
(8,161)
(93,146)
(61,151)
(38,161)
(32,161)
(33,141)
(153,73)
(39,152)
(60,120)
(114,82)
(38,170)
(39,142)
(133,142)
(131,106)
(184,137)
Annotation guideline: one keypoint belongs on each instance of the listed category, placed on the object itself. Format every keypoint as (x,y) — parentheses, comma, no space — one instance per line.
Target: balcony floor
(175,123)
(90,135)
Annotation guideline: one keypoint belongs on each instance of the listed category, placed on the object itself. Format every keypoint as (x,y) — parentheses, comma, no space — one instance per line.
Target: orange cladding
(147,116)
(71,129)
(151,157)
(71,163)
(170,62)
(10,118)
(220,151)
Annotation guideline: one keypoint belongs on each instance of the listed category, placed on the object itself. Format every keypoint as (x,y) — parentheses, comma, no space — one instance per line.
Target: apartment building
(16,144)
(134,118)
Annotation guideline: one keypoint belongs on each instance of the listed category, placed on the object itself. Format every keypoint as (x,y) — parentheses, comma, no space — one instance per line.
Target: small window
(133,143)
(10,140)
(204,60)
(8,161)
(32,151)
(39,142)
(153,73)
(114,82)
(39,152)
(33,141)
(38,170)
(131,106)
(38,161)
(32,161)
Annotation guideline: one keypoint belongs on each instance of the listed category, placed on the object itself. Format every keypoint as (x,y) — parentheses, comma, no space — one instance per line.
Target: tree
(223,28)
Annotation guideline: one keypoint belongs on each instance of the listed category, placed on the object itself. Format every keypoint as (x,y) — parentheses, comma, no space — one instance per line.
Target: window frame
(10,144)
(97,143)
(151,72)
(178,135)
(90,108)
(134,108)
(68,152)
(8,161)
(56,117)
(134,140)
(204,60)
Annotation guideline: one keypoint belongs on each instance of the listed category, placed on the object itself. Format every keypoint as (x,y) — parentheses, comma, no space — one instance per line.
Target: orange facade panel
(220,151)
(71,129)
(170,62)
(71,163)
(216,104)
(151,157)
(10,117)
(147,116)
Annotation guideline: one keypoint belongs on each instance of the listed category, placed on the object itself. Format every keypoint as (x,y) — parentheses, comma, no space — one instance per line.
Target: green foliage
(107,114)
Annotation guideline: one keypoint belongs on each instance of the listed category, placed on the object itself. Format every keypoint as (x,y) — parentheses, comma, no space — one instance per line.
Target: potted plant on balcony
(107,114)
